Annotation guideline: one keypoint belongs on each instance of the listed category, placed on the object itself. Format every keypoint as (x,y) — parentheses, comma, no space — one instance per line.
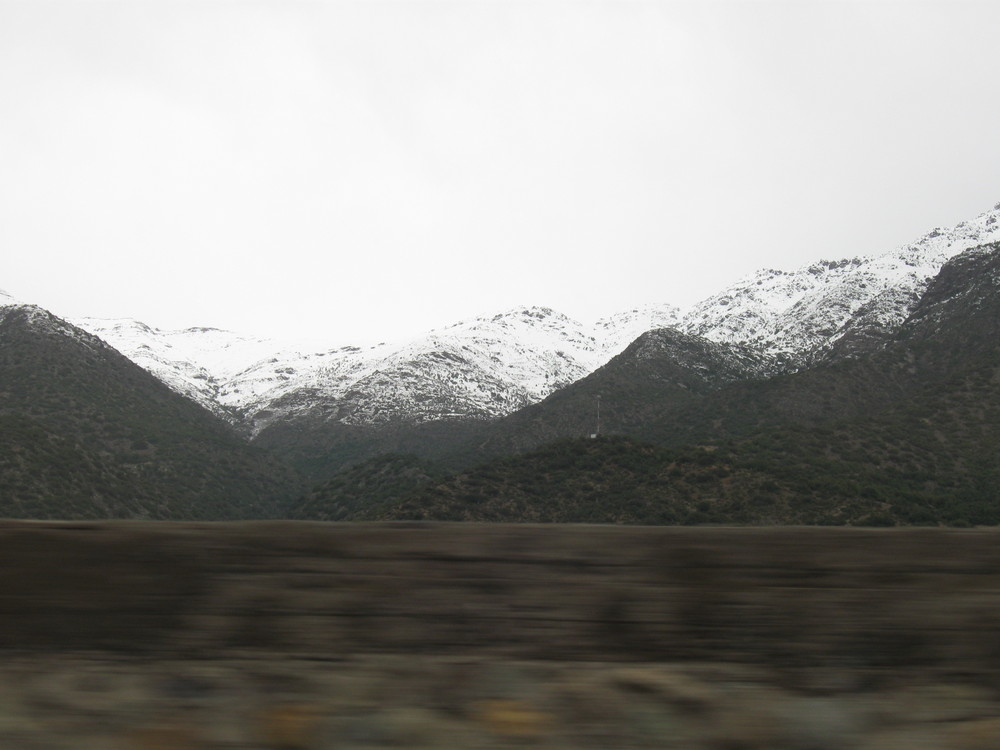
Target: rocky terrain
(295,636)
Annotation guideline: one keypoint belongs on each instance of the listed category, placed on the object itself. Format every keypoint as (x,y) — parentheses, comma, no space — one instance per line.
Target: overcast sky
(359,170)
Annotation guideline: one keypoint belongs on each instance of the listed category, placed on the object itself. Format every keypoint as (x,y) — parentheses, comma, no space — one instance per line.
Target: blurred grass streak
(314,636)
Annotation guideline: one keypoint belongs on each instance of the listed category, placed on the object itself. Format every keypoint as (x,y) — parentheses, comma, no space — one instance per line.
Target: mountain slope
(662,368)
(951,329)
(46,475)
(356,492)
(483,368)
(664,394)
(324,407)
(910,434)
(798,316)
(91,434)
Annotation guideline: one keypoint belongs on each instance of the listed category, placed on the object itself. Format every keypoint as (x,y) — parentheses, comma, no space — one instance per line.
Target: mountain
(667,386)
(483,368)
(325,407)
(658,392)
(908,434)
(662,369)
(871,378)
(799,316)
(220,370)
(89,434)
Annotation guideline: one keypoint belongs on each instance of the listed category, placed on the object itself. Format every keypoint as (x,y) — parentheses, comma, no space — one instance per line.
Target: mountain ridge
(855,416)
(794,317)
(907,435)
(285,395)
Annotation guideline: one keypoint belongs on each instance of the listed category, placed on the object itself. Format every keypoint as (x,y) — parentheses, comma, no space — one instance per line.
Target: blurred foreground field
(303,636)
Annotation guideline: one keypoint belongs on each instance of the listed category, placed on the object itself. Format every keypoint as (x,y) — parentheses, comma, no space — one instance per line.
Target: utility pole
(598,430)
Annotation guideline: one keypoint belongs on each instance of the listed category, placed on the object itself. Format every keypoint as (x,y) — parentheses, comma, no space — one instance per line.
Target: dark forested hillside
(932,460)
(87,433)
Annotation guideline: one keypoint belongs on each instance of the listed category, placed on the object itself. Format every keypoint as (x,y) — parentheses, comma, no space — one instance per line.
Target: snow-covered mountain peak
(538,312)
(941,243)
(525,317)
(8,299)
(492,364)
(793,315)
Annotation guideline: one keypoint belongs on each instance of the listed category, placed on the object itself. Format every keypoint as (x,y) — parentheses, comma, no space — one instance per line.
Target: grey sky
(373,169)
